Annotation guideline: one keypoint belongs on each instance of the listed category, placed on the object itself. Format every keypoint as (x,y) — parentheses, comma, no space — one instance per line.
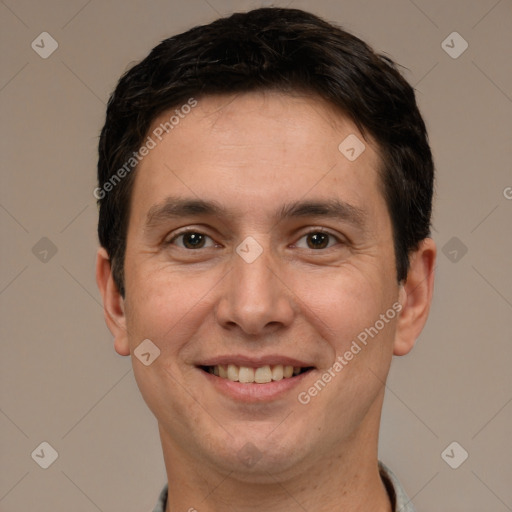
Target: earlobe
(415,295)
(113,303)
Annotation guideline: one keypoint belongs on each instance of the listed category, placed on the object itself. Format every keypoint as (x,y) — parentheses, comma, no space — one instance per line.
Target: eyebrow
(330,208)
(175,207)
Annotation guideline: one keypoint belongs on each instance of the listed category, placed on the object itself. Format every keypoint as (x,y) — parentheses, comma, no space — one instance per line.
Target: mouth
(260,375)
(266,379)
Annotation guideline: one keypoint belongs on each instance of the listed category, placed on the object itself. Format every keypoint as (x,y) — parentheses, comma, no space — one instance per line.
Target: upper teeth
(260,375)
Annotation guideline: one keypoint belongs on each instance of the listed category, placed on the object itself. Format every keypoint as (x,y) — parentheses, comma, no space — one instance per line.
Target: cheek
(167,307)
(342,302)
(346,308)
(167,310)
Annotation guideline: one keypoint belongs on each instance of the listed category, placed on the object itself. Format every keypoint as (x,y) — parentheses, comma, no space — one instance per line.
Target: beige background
(62,382)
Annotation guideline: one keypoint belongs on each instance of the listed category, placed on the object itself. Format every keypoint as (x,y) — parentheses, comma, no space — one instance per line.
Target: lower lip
(253,392)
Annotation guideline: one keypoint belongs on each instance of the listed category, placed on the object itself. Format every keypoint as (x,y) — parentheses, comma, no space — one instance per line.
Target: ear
(113,303)
(415,297)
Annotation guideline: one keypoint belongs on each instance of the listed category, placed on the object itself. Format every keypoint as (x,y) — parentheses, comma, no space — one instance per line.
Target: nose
(255,297)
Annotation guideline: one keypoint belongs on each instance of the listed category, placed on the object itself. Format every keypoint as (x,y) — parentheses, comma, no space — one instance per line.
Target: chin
(257,459)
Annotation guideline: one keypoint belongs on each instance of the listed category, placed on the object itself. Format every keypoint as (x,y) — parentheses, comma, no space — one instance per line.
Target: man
(265,188)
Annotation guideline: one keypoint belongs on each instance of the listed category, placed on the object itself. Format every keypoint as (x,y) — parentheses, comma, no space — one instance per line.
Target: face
(255,245)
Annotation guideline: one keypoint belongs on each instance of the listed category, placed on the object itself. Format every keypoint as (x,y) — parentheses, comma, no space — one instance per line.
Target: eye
(192,240)
(317,240)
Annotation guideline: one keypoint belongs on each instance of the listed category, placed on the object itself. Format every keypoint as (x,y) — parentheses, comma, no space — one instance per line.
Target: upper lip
(254,362)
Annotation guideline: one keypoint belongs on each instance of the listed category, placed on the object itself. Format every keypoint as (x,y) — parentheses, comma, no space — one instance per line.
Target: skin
(253,154)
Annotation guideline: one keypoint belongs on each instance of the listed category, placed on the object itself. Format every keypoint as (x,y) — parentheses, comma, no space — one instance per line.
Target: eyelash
(311,232)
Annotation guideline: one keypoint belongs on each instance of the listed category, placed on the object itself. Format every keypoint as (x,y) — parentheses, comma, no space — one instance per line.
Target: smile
(261,375)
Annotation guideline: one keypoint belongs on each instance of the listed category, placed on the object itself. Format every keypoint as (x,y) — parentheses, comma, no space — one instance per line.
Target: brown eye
(192,240)
(317,240)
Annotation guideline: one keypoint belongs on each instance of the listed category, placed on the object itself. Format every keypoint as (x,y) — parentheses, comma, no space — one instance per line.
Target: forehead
(257,149)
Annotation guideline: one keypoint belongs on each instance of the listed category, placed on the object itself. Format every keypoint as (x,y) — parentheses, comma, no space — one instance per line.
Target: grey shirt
(400,501)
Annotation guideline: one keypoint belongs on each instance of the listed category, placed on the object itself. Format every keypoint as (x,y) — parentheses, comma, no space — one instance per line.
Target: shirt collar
(397,495)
